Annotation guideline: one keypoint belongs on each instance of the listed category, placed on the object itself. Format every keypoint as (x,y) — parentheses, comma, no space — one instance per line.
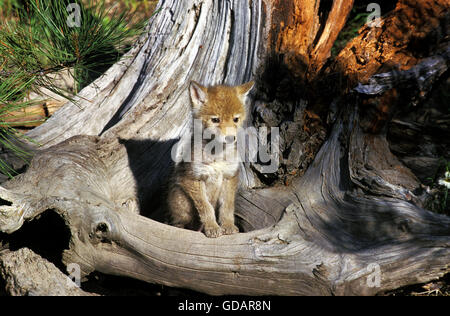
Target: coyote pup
(208,182)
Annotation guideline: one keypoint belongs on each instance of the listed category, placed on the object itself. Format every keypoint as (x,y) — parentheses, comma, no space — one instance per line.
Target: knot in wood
(101,232)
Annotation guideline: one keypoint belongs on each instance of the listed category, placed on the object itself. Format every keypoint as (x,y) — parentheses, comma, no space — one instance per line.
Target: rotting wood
(320,235)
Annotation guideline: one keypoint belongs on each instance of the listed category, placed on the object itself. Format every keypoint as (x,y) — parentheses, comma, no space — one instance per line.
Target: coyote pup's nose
(230,139)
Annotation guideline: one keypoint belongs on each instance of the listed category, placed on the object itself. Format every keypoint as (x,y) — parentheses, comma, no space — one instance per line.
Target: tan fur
(200,188)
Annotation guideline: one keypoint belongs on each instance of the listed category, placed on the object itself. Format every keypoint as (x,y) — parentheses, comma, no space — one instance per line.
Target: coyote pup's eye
(215,119)
(236,119)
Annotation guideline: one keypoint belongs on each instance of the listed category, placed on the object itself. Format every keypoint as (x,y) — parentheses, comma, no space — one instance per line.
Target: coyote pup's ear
(198,95)
(244,89)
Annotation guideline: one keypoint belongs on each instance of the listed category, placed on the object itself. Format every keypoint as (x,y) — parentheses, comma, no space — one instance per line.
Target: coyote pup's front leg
(226,210)
(190,195)
(205,209)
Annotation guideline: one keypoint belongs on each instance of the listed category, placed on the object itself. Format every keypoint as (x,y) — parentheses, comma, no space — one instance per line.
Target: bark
(305,31)
(347,220)
(46,280)
(405,35)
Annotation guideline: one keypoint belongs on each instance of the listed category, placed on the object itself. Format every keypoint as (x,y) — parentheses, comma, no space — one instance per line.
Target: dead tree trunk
(341,215)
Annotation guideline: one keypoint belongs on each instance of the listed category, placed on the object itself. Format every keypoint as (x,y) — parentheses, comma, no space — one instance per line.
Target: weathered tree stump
(341,216)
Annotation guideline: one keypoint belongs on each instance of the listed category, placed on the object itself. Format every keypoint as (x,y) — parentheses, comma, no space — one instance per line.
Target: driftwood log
(341,215)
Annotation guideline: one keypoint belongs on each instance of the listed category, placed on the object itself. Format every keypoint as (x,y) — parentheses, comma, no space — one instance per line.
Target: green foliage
(11,93)
(133,4)
(37,40)
(43,41)
(440,186)
(357,18)
(8,7)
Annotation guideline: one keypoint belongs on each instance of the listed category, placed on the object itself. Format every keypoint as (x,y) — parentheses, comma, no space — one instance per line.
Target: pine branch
(40,43)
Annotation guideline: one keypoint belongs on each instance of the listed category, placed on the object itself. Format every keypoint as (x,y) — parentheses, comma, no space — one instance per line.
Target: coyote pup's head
(220,108)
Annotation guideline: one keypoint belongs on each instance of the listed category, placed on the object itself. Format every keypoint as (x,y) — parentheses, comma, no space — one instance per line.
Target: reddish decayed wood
(297,33)
(393,44)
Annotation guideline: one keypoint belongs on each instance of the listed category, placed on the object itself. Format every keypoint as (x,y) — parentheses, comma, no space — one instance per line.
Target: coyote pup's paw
(229,229)
(213,231)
